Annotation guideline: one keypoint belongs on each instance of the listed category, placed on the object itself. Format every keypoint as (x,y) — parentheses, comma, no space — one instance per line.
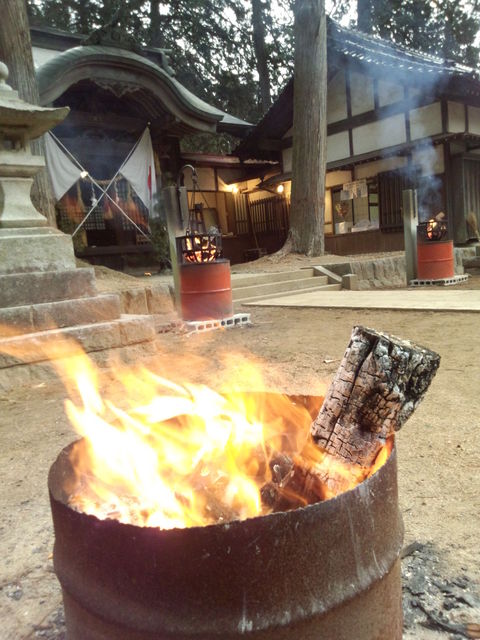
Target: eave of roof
(58,74)
(352,45)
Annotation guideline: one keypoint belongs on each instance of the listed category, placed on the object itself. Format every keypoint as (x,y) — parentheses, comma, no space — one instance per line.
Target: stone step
(56,315)
(42,346)
(37,373)
(28,250)
(257,290)
(19,289)
(250,279)
(284,294)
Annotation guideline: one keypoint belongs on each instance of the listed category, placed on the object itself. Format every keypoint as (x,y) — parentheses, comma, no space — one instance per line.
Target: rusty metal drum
(328,571)
(205,290)
(435,260)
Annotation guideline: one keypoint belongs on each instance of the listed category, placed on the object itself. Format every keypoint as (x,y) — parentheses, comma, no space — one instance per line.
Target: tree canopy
(446,28)
(227,52)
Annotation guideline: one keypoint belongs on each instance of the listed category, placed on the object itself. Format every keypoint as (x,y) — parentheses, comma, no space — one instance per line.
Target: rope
(103,191)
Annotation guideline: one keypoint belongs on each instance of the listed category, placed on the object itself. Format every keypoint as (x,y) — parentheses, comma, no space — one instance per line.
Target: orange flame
(158,453)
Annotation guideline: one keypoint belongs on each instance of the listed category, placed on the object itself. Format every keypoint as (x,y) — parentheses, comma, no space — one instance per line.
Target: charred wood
(380,382)
(294,484)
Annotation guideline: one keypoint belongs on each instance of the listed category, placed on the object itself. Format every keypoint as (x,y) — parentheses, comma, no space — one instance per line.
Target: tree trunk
(16,52)
(364,16)
(307,215)
(261,54)
(156,39)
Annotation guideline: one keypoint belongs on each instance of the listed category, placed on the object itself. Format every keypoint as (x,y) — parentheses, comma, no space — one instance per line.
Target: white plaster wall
(378,135)
(206,179)
(474,120)
(426,121)
(371,169)
(336,178)
(287,159)
(338,146)
(430,159)
(456,117)
(41,56)
(337,98)
(361,91)
(260,195)
(389,92)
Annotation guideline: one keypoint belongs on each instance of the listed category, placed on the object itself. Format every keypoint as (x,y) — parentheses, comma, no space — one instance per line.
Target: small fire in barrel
(177,457)
(435,259)
(205,281)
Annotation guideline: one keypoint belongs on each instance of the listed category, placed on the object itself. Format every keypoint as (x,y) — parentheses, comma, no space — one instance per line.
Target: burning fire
(172,455)
(200,248)
(436,227)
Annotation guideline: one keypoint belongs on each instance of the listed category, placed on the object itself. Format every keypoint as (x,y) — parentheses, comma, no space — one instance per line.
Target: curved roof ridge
(69,67)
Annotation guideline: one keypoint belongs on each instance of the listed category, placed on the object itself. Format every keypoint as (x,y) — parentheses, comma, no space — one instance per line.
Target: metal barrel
(206,290)
(435,260)
(329,571)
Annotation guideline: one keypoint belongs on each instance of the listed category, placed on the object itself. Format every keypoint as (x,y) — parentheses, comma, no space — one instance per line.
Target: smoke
(417,81)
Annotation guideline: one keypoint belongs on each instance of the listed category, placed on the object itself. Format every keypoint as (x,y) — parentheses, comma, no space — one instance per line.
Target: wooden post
(410,222)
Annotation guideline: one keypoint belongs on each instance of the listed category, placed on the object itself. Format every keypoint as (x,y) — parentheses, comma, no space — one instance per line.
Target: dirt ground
(438,448)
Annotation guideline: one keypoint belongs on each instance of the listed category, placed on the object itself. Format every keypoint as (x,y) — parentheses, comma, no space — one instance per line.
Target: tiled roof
(374,50)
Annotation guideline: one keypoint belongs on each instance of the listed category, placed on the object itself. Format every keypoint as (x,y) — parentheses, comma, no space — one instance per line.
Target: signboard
(355,189)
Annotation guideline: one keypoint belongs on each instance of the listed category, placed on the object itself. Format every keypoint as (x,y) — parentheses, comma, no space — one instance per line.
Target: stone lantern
(44,297)
(27,243)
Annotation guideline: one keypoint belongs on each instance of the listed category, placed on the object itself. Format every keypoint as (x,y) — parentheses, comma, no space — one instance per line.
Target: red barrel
(435,260)
(206,290)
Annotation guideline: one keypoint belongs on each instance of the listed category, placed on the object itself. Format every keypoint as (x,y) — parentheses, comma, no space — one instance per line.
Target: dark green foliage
(159,238)
(447,29)
(210,41)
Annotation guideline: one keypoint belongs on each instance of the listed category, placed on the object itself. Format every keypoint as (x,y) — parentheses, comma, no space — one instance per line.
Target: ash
(434,605)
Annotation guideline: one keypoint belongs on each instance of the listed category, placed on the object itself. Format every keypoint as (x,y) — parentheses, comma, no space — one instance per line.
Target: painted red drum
(435,260)
(206,290)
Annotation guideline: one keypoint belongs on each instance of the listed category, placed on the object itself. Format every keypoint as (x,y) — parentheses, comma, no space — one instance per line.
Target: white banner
(62,171)
(139,170)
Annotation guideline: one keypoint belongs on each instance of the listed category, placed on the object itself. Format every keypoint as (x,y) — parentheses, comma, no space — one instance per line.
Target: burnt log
(294,484)
(380,382)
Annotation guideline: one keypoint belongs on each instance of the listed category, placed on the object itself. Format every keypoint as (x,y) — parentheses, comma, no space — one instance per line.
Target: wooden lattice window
(391,185)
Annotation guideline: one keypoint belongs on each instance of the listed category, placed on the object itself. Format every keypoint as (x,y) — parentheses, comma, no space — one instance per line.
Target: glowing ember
(436,228)
(200,248)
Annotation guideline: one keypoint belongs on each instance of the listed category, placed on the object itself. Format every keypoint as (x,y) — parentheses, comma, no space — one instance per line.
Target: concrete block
(38,249)
(81,311)
(134,301)
(135,329)
(15,321)
(48,286)
(350,282)
(96,337)
(129,354)
(159,299)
